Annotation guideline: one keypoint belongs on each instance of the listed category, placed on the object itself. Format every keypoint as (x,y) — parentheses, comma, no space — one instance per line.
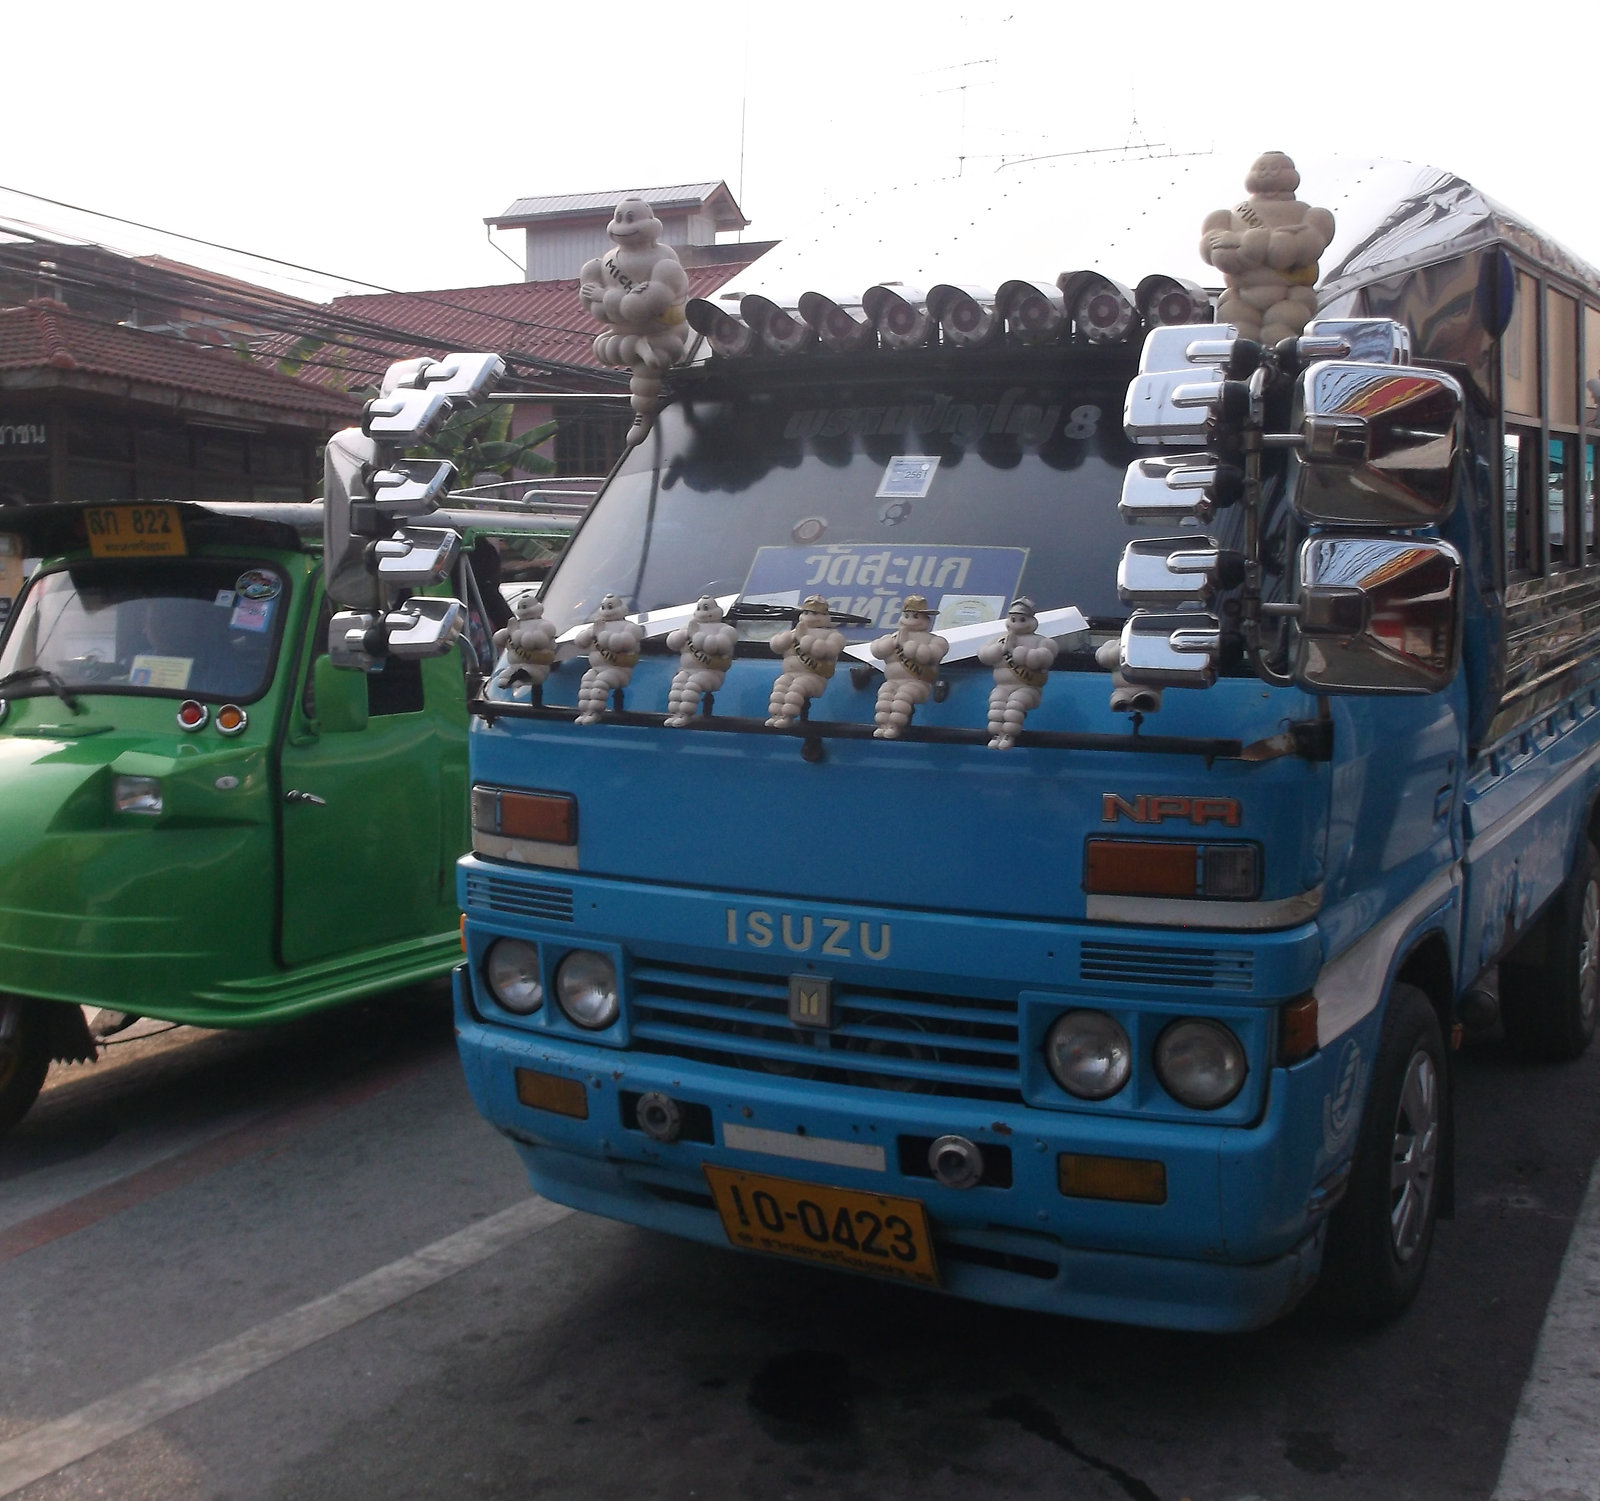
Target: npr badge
(810,1001)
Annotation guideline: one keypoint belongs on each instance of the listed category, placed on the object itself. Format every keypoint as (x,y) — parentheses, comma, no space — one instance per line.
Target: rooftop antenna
(744,100)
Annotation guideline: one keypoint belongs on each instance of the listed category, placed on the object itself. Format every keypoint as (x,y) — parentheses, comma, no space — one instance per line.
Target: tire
(24,1057)
(1548,1007)
(1381,1233)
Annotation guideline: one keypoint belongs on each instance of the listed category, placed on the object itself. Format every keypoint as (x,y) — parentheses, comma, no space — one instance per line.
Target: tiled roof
(569,205)
(537,319)
(45,334)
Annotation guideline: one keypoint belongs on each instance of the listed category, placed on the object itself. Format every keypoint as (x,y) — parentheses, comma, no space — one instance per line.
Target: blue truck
(1148,1017)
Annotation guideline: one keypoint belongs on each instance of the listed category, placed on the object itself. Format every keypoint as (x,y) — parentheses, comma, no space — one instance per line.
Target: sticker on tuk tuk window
(150,671)
(908,476)
(964,585)
(251,615)
(225,598)
(257,583)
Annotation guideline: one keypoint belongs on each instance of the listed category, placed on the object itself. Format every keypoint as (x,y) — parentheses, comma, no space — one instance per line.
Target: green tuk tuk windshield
(191,628)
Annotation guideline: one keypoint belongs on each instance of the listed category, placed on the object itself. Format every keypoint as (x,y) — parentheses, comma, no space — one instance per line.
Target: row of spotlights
(1101,310)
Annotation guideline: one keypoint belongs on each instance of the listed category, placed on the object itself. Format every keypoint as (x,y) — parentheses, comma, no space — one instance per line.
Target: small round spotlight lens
(511,968)
(231,719)
(192,715)
(1088,1054)
(586,986)
(1200,1063)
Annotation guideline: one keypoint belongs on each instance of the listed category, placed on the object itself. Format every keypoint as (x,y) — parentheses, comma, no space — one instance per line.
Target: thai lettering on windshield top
(963,585)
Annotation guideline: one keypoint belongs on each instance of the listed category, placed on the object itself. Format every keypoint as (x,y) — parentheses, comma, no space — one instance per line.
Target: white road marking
(48,1447)
(1554,1453)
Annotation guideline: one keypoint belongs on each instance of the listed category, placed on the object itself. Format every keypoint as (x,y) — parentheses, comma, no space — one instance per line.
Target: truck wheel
(1548,1008)
(24,1057)
(1380,1234)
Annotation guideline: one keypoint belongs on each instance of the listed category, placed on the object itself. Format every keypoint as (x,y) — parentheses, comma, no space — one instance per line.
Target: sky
(369,142)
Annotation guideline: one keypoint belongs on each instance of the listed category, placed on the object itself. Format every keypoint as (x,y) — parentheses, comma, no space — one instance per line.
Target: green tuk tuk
(199,820)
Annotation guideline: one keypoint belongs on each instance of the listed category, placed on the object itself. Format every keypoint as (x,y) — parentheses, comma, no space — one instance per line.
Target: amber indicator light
(551,817)
(1298,1037)
(1128,1179)
(1141,867)
(552,1092)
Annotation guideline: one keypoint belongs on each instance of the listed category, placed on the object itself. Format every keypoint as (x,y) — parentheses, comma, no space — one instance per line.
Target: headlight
(1089,1054)
(512,969)
(136,794)
(586,986)
(1200,1063)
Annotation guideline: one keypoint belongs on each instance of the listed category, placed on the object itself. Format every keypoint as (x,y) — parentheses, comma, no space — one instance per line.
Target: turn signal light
(231,719)
(550,817)
(1297,1038)
(552,1092)
(192,715)
(1128,1179)
(1166,867)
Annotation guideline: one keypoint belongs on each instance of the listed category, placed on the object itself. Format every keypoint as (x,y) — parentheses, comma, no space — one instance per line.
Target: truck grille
(907,1041)
(1159,964)
(520,898)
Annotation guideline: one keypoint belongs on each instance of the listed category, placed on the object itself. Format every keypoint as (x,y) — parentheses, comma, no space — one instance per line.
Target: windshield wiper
(49,679)
(747,609)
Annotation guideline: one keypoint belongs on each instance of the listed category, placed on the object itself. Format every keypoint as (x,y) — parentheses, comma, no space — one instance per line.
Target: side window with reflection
(1521,503)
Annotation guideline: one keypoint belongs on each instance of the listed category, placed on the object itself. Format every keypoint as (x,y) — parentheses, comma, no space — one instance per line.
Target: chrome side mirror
(1378,445)
(1178,487)
(424,626)
(412,487)
(1170,651)
(1377,615)
(1175,570)
(416,556)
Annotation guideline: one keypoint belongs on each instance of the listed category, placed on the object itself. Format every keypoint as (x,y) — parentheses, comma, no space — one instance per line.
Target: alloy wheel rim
(1414,1157)
(1589,954)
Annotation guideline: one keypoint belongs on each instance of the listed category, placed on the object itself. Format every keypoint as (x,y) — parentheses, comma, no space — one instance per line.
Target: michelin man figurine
(529,643)
(638,290)
(612,643)
(705,647)
(910,658)
(810,652)
(1021,660)
(1267,249)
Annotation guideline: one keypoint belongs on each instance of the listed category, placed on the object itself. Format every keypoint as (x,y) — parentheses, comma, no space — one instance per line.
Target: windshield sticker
(257,583)
(908,476)
(225,598)
(964,585)
(160,672)
(251,615)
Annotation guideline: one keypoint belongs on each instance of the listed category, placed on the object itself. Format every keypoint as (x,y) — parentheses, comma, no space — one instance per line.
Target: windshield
(966,491)
(191,629)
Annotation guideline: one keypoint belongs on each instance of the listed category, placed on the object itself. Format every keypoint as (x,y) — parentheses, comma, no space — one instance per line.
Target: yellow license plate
(135,532)
(838,1226)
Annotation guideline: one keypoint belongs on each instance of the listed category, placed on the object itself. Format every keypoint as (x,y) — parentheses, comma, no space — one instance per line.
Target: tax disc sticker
(257,583)
(908,476)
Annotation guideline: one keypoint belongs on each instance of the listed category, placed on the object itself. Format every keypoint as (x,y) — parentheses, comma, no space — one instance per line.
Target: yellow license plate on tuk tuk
(135,532)
(865,1232)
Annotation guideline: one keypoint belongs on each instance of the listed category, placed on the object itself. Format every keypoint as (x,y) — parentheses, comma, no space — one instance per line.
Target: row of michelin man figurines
(811,648)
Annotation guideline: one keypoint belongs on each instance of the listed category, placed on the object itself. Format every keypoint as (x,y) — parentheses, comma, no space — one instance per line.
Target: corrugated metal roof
(568,205)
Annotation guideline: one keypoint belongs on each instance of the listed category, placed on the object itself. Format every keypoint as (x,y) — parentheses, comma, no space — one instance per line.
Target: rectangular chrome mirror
(1167,348)
(412,487)
(1377,341)
(1172,571)
(1378,445)
(350,637)
(1170,406)
(416,556)
(1170,651)
(1168,489)
(424,626)
(405,416)
(1377,615)
(464,378)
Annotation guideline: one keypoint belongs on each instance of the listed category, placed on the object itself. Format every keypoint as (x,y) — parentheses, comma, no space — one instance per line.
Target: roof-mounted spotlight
(967,316)
(1102,311)
(727,335)
(901,317)
(1164,300)
(1033,310)
(780,330)
(843,329)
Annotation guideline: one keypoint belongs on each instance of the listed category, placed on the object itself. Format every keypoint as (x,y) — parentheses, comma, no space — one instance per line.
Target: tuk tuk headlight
(586,986)
(1200,1063)
(511,970)
(1088,1054)
(136,794)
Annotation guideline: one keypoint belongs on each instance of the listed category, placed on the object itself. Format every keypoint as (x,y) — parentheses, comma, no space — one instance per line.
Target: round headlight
(1200,1063)
(512,970)
(586,986)
(1089,1054)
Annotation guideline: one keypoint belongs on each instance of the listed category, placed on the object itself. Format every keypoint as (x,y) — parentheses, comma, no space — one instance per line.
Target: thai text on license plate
(135,532)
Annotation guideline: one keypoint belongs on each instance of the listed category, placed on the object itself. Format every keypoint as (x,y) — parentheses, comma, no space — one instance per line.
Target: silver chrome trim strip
(525,851)
(1227,917)
(1349,987)
(804,1148)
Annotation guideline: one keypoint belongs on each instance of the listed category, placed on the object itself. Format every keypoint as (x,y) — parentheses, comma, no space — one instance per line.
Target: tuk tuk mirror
(341,698)
(1377,445)
(1377,615)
